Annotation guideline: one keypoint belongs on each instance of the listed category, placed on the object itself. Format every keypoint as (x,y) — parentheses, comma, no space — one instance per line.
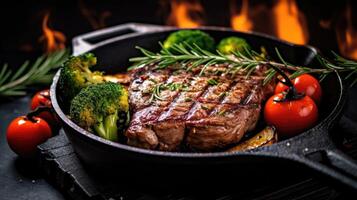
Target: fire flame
(53,40)
(185,14)
(240,21)
(290,23)
(346,37)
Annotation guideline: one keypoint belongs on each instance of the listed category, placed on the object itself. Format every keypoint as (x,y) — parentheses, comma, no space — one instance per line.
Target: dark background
(21,29)
(21,20)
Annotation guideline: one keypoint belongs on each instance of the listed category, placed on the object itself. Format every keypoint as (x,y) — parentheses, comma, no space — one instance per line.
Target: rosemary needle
(184,53)
(39,72)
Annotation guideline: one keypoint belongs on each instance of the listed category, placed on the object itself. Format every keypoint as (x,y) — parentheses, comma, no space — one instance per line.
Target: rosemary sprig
(155,92)
(174,86)
(191,56)
(212,82)
(40,72)
(340,64)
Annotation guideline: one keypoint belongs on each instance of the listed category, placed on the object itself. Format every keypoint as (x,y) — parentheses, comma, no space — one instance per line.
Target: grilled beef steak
(203,111)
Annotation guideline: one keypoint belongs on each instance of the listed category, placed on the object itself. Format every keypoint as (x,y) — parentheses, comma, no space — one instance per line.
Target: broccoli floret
(190,37)
(233,44)
(97,108)
(76,74)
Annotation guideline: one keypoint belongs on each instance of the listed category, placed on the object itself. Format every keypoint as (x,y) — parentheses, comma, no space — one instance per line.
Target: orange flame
(346,37)
(290,23)
(240,21)
(53,40)
(185,14)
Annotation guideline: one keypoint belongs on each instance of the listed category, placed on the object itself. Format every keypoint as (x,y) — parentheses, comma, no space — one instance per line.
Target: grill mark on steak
(164,141)
(207,121)
(208,131)
(139,132)
(207,102)
(192,93)
(193,111)
(169,140)
(170,131)
(219,131)
(141,88)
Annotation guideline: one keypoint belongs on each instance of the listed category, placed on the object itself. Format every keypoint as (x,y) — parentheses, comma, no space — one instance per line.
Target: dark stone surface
(24,179)
(68,174)
(20,179)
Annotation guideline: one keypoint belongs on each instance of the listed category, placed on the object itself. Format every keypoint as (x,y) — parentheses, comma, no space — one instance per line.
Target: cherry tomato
(306,84)
(42,98)
(292,116)
(23,134)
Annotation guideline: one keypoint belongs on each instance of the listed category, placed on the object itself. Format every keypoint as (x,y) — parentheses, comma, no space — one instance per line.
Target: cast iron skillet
(313,149)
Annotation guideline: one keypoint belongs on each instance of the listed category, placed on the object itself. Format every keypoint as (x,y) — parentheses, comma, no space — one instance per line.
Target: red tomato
(23,135)
(42,98)
(290,117)
(306,84)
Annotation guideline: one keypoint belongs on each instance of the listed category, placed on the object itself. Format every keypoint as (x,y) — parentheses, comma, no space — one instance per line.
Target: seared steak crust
(205,112)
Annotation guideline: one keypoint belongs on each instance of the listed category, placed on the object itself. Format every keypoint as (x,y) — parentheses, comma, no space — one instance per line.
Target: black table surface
(21,179)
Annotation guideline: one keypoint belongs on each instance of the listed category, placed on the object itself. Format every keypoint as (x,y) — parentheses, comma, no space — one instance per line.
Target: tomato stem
(45,94)
(291,93)
(30,116)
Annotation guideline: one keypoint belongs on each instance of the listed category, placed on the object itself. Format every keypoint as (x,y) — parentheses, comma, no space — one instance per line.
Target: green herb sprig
(157,89)
(212,82)
(40,72)
(155,92)
(340,64)
(191,56)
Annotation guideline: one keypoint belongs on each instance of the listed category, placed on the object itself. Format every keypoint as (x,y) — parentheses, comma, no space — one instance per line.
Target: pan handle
(86,42)
(334,164)
(317,151)
(324,157)
(342,162)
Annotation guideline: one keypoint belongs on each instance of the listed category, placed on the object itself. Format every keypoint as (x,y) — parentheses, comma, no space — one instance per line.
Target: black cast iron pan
(314,149)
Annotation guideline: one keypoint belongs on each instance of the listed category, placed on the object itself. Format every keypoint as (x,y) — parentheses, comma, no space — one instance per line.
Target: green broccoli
(190,37)
(98,107)
(76,74)
(233,44)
